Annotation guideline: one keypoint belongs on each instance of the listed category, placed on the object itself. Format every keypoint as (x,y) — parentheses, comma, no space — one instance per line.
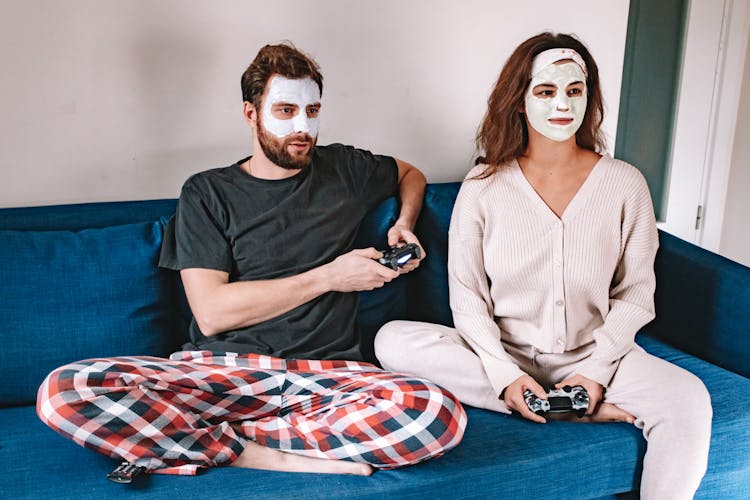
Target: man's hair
(502,135)
(283,59)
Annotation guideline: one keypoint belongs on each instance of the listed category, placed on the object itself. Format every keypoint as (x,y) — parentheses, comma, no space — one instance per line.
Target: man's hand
(357,271)
(513,397)
(598,411)
(400,234)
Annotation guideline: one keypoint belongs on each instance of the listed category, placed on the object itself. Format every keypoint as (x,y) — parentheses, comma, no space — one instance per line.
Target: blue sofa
(81,281)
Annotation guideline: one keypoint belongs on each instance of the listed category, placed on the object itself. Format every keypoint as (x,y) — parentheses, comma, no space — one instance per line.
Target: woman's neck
(548,154)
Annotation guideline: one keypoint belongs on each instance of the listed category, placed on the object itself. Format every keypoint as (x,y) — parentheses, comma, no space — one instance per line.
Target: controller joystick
(566,399)
(395,256)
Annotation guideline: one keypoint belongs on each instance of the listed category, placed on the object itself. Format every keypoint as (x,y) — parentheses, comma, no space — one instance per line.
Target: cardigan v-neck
(575,203)
(519,274)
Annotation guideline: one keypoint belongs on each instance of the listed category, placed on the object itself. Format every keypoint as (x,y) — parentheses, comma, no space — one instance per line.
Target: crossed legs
(671,405)
(201,410)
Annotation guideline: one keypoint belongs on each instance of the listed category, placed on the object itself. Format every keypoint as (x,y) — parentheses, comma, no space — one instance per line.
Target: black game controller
(561,400)
(396,257)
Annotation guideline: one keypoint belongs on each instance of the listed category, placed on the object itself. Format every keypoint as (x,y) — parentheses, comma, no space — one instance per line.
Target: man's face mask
(291,107)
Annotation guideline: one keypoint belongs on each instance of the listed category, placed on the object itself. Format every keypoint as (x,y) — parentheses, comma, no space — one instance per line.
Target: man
(271,378)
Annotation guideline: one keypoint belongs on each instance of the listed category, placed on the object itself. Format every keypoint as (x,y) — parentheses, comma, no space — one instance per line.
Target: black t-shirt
(257,229)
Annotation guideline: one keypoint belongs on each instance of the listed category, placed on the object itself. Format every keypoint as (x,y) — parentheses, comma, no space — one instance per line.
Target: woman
(551,253)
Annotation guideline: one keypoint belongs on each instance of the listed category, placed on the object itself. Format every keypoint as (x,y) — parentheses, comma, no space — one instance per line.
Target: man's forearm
(220,306)
(411,193)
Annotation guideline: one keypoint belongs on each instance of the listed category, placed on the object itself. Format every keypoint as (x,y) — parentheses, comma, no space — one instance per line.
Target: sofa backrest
(76,217)
(421,295)
(702,304)
(81,281)
(702,299)
(428,284)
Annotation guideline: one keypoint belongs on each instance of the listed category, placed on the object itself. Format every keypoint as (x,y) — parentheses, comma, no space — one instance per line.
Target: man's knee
(451,419)
(49,399)
(58,380)
(448,423)
(63,388)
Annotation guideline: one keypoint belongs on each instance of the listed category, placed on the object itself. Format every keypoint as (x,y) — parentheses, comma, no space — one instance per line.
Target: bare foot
(607,412)
(255,456)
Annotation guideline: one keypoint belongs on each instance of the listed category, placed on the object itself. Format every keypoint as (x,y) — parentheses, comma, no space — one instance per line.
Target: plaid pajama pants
(198,409)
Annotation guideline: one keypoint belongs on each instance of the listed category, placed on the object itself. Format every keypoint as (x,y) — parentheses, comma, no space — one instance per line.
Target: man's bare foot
(255,456)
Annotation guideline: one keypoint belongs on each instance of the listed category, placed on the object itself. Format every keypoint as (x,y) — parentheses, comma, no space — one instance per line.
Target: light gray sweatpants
(671,405)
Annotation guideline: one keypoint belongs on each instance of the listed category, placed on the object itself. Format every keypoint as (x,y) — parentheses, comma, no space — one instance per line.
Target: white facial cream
(557,117)
(300,92)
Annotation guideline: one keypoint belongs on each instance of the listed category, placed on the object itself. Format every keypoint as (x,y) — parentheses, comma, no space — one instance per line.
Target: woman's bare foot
(256,456)
(608,412)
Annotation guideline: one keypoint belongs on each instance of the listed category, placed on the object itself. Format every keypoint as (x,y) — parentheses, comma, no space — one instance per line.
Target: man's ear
(250,113)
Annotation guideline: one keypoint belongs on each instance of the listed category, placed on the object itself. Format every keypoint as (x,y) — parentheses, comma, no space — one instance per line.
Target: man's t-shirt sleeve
(194,237)
(376,175)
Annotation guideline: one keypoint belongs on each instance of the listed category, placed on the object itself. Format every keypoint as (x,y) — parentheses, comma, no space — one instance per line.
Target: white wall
(735,234)
(124,100)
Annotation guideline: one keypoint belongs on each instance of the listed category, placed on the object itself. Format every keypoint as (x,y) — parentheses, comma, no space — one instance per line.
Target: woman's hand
(597,411)
(513,397)
(595,389)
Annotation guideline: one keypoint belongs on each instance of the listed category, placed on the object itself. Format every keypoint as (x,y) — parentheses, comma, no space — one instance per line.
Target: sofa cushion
(381,305)
(702,303)
(69,295)
(428,285)
(501,456)
(728,465)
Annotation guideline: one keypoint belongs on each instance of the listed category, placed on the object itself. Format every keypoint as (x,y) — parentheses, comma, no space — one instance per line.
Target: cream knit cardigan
(520,274)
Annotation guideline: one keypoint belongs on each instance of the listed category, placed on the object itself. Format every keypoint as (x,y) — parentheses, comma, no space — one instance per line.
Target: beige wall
(735,234)
(117,100)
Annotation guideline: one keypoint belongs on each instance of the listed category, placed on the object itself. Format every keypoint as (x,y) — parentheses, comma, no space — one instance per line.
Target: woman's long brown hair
(503,135)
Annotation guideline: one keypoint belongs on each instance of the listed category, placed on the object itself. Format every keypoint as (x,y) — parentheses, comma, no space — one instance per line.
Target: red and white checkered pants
(198,409)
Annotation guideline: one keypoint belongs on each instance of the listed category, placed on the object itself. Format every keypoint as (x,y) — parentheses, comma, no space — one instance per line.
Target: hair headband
(551,56)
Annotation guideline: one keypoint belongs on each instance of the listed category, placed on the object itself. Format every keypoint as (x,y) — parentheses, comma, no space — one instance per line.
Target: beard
(277,150)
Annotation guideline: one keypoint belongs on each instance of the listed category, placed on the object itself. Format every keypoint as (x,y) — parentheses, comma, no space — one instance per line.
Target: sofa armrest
(702,304)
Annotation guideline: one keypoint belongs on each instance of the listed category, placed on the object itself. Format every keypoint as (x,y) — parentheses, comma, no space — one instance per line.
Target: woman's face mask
(556,100)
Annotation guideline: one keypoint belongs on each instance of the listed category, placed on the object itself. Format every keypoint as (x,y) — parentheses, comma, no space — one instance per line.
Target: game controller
(125,473)
(396,257)
(565,399)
